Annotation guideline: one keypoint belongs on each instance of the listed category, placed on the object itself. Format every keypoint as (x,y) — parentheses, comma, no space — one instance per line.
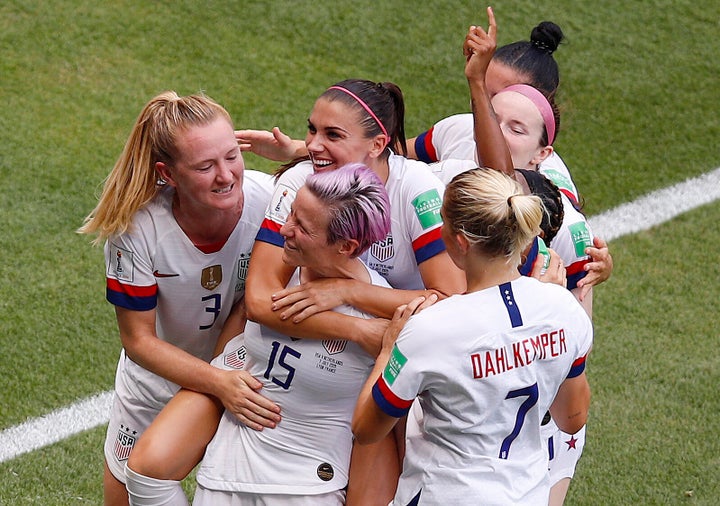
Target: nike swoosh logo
(162,275)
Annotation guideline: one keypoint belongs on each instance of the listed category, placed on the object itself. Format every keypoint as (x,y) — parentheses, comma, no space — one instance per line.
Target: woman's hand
(479,48)
(273,145)
(555,273)
(600,269)
(307,299)
(239,393)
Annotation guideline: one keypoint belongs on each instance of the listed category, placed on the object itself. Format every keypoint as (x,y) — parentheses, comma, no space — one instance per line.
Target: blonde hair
(133,181)
(492,211)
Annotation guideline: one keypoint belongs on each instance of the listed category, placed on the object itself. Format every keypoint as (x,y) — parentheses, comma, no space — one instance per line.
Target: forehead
(330,113)
(202,142)
(500,76)
(310,211)
(510,105)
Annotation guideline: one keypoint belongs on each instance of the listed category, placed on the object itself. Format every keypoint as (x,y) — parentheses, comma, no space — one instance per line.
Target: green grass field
(639,95)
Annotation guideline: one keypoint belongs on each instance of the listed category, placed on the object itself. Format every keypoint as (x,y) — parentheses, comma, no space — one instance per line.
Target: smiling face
(207,172)
(305,233)
(336,138)
(522,126)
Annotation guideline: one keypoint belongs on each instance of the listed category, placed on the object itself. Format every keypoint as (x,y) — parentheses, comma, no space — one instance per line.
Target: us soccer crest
(211,277)
(334,346)
(242,271)
(383,250)
(236,358)
(124,443)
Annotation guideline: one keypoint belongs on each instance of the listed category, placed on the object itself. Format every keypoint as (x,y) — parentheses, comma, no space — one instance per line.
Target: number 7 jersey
(485,367)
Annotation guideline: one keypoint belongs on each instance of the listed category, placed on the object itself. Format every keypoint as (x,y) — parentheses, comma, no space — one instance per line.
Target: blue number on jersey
(531,393)
(286,350)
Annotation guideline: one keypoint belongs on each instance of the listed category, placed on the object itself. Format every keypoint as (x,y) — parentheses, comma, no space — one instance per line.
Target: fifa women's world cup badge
(211,277)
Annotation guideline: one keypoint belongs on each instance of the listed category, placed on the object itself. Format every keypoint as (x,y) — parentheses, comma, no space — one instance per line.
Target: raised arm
(479,47)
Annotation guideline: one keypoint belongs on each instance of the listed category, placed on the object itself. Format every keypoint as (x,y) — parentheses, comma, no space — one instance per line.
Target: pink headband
(541,102)
(364,106)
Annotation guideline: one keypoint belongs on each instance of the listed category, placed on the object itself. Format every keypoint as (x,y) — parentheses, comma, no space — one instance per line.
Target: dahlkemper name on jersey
(518,354)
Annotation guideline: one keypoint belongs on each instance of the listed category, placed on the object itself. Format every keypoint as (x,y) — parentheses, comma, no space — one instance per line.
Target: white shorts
(207,497)
(138,398)
(565,451)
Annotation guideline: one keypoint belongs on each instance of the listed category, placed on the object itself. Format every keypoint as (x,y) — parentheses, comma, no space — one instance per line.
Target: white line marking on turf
(657,207)
(641,214)
(55,426)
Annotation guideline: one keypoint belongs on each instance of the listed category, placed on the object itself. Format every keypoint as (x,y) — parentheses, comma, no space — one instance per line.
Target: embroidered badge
(242,271)
(121,264)
(325,471)
(334,346)
(383,250)
(124,443)
(394,365)
(427,208)
(236,358)
(211,277)
(580,237)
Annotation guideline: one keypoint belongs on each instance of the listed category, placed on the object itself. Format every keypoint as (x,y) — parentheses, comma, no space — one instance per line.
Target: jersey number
(531,393)
(214,309)
(286,350)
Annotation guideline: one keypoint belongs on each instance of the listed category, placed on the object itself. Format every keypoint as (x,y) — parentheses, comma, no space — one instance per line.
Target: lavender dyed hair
(357,201)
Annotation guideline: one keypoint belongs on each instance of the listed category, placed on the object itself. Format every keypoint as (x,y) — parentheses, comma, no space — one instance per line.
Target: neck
(344,268)
(203,227)
(381,167)
(482,273)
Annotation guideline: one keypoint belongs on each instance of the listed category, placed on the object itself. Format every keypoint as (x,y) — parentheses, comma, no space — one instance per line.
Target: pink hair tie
(541,102)
(366,107)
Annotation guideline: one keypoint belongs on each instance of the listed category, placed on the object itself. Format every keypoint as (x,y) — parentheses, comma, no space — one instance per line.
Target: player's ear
(542,155)
(164,171)
(348,247)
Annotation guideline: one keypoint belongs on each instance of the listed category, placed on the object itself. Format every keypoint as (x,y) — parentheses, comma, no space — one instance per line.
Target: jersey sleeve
(424,223)
(129,273)
(424,148)
(279,208)
(570,243)
(403,376)
(555,170)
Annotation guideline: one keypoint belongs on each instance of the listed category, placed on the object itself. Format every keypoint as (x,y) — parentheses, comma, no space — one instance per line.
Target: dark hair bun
(546,36)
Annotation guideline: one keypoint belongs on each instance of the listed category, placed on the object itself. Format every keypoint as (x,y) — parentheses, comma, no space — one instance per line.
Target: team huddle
(382,321)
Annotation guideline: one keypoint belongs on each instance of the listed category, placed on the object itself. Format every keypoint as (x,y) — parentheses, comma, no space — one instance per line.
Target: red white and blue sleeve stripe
(575,272)
(577,367)
(424,149)
(388,402)
(428,245)
(136,298)
(270,232)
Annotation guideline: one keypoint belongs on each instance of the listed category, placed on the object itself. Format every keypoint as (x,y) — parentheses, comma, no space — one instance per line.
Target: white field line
(641,214)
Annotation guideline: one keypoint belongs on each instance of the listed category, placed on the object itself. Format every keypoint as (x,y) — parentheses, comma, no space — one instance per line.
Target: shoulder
(412,176)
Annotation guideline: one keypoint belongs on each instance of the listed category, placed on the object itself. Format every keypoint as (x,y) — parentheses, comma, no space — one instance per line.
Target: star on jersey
(571,443)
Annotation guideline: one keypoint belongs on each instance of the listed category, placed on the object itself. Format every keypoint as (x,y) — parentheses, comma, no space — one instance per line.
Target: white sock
(147,491)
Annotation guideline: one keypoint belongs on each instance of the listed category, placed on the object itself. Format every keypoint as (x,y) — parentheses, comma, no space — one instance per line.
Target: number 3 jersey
(316,384)
(485,368)
(154,266)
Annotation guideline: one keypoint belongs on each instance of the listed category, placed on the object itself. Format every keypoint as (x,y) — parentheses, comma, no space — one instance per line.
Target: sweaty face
(522,126)
(305,232)
(208,171)
(335,137)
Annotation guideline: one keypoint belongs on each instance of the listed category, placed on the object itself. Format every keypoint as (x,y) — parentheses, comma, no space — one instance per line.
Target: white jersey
(485,368)
(415,235)
(316,383)
(453,138)
(155,266)
(571,239)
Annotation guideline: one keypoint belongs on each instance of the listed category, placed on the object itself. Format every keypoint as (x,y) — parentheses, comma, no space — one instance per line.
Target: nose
(224,172)
(286,229)
(312,143)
